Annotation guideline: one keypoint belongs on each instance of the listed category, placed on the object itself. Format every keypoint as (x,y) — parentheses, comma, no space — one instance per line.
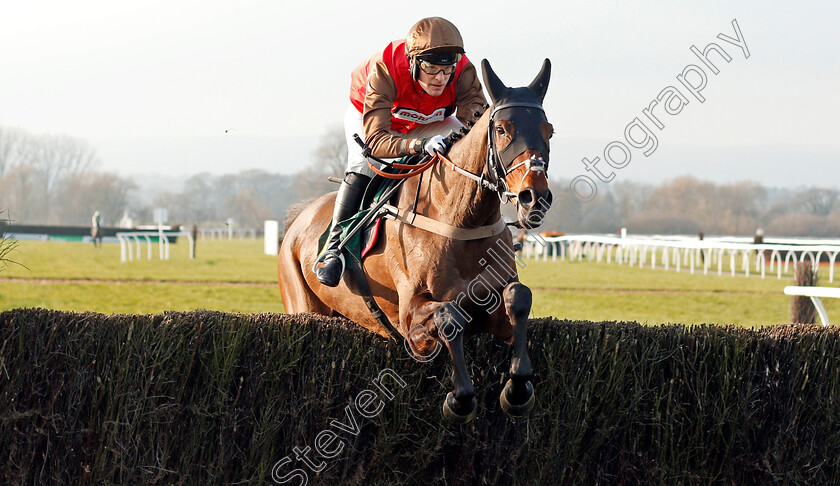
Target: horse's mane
(477,130)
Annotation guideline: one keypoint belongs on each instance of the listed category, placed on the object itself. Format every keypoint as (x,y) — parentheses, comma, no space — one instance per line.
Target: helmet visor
(434,63)
(434,69)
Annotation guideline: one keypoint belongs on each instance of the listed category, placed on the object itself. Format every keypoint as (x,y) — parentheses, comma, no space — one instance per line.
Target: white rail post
(691,263)
(123,253)
(192,245)
(148,247)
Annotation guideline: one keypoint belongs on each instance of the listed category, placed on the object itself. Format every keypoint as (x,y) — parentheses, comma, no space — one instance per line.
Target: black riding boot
(346,205)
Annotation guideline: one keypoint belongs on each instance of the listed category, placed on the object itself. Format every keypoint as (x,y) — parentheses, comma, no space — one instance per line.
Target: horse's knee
(518,300)
(421,345)
(449,321)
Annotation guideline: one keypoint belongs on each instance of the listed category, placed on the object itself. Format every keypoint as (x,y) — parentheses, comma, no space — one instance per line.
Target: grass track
(77,277)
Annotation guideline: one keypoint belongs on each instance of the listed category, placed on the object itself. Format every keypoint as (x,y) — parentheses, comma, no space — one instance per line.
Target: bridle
(500,163)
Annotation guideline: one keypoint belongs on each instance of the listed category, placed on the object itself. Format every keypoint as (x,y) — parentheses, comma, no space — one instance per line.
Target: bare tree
(329,159)
(740,206)
(19,192)
(249,197)
(10,141)
(248,211)
(817,201)
(630,198)
(689,198)
(59,156)
(32,170)
(80,195)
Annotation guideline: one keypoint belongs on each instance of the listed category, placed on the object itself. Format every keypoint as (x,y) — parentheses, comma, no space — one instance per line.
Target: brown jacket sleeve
(380,97)
(469,98)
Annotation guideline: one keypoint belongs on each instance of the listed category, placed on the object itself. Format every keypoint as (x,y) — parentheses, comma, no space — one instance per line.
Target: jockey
(402,102)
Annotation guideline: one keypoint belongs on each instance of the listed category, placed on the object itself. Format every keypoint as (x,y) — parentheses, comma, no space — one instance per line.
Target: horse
(439,288)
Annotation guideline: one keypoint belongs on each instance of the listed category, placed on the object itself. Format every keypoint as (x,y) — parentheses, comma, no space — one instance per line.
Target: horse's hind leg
(517,398)
(295,292)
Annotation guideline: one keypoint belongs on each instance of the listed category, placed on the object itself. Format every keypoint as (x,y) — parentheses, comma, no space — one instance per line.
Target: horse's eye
(551,134)
(500,130)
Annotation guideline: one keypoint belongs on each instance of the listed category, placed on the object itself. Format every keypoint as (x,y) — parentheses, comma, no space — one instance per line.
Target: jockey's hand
(434,144)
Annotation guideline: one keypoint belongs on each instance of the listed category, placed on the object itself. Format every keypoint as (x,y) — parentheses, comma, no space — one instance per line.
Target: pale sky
(154,85)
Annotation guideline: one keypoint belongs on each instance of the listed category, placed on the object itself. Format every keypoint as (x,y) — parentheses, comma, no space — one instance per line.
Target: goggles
(434,69)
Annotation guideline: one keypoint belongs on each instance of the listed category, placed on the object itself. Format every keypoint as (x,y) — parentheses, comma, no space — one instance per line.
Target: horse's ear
(539,85)
(492,82)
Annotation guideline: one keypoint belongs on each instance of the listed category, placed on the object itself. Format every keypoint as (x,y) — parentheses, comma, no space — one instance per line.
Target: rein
(413,169)
(492,179)
(496,169)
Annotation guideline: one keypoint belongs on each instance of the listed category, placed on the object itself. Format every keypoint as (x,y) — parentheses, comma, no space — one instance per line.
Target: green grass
(607,291)
(216,261)
(235,276)
(139,298)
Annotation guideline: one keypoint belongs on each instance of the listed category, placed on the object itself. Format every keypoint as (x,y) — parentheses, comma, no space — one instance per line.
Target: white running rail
(130,243)
(815,293)
(684,252)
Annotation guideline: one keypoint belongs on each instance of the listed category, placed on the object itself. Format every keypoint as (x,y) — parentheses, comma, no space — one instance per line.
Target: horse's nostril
(546,199)
(526,198)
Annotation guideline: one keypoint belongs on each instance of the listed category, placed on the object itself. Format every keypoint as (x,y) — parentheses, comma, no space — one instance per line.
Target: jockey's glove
(434,144)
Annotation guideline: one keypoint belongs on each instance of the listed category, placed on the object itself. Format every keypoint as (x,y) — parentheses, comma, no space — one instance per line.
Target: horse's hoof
(514,409)
(458,418)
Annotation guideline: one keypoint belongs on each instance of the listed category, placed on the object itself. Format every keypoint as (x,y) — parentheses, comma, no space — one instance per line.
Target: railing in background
(681,251)
(127,248)
(815,293)
(227,233)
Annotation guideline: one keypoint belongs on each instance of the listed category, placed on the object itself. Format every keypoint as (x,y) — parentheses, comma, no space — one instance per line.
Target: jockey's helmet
(432,42)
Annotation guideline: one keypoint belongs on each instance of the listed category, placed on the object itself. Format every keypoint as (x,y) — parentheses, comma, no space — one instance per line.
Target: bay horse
(438,289)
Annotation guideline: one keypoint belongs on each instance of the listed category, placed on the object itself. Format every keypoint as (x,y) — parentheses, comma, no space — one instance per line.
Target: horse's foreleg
(460,404)
(448,324)
(517,398)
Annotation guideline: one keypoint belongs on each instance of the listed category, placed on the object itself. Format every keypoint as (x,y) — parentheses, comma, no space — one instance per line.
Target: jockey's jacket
(393,104)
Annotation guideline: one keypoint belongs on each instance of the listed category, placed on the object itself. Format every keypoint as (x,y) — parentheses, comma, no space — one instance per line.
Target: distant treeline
(687,205)
(54,180)
(212,398)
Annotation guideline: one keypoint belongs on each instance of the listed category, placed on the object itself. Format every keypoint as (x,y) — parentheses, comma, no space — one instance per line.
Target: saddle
(365,238)
(360,232)
(357,247)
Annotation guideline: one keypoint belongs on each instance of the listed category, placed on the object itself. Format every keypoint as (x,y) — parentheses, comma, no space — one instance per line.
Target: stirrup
(337,253)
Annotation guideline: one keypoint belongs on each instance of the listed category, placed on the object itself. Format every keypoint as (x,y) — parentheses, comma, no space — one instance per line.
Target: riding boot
(346,205)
